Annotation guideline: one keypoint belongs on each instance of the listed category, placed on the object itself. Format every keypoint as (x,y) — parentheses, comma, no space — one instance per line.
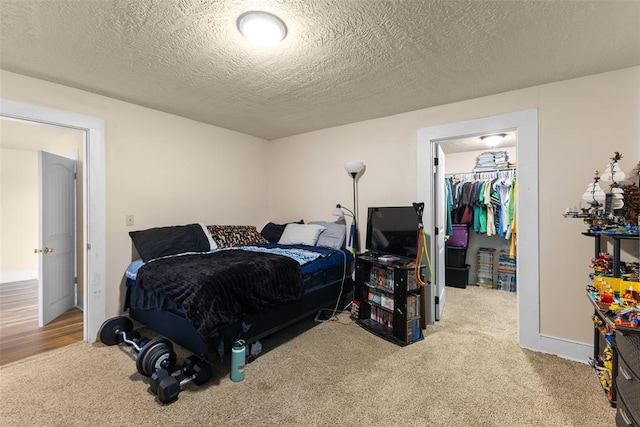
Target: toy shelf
(605,352)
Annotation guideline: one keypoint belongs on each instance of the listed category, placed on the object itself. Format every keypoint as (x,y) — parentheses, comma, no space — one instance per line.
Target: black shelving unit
(604,324)
(388,297)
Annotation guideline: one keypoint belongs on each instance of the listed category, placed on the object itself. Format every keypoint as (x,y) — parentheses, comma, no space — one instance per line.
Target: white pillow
(301,234)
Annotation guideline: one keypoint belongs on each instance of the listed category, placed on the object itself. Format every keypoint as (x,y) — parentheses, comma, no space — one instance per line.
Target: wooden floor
(20,335)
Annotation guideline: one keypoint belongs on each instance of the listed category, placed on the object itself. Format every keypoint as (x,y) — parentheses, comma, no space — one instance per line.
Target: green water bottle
(238,360)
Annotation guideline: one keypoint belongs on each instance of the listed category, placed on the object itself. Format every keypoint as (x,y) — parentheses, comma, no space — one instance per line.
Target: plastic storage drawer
(456,277)
(455,257)
(628,386)
(459,236)
(628,346)
(624,417)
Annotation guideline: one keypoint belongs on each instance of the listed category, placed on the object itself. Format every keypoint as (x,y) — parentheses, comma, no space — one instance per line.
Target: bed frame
(178,329)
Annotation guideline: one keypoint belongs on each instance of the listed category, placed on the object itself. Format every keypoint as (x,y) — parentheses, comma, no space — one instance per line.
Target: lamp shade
(354,167)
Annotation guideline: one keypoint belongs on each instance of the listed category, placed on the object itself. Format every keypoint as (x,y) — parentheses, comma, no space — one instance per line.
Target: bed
(203,287)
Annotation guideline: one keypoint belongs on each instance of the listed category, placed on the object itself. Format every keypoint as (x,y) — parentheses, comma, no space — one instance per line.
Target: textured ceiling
(342,61)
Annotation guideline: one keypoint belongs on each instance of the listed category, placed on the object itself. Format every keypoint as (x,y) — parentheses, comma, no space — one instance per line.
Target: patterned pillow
(227,236)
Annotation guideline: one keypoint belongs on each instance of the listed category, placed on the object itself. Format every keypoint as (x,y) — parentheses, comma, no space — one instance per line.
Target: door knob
(43,251)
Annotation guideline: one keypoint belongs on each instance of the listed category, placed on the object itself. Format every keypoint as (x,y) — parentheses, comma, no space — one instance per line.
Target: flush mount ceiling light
(262,28)
(493,140)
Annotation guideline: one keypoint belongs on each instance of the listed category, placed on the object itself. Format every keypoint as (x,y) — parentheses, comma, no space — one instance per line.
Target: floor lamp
(354,169)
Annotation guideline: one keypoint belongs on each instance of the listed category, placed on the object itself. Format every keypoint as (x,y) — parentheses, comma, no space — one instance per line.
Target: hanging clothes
(449,202)
(485,201)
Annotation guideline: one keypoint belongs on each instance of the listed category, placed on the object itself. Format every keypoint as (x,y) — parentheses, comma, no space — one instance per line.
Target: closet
(481,220)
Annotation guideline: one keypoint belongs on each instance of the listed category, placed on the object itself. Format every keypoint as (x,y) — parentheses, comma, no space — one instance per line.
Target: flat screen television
(392,231)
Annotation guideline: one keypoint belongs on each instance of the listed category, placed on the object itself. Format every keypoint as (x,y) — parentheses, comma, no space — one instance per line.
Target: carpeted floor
(468,371)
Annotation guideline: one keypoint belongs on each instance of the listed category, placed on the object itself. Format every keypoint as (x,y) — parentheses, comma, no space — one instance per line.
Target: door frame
(525,123)
(94,207)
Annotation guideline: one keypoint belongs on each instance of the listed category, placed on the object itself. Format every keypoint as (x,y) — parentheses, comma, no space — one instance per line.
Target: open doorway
(93,245)
(481,248)
(41,202)
(525,125)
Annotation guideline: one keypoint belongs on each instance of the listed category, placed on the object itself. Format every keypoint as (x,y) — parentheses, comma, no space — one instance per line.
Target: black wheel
(110,330)
(155,355)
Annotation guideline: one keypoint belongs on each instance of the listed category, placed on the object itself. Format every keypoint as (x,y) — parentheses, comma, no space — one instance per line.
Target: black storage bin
(455,257)
(457,277)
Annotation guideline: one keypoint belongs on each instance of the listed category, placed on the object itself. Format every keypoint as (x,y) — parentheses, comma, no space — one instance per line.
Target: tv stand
(387,297)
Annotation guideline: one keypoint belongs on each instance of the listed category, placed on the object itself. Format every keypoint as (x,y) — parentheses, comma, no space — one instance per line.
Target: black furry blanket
(220,288)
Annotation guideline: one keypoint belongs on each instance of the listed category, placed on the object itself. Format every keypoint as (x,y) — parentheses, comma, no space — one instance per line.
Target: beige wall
(169,170)
(19,217)
(162,168)
(581,123)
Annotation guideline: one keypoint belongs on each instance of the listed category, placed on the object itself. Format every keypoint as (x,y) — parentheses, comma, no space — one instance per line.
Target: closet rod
(471,173)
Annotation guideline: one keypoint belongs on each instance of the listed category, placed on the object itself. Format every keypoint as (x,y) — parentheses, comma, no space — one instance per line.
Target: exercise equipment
(167,385)
(422,252)
(152,354)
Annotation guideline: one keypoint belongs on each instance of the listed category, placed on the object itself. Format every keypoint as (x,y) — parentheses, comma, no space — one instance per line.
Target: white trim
(94,236)
(567,349)
(526,125)
(18,276)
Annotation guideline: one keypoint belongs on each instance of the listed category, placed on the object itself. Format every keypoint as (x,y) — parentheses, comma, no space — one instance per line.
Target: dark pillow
(272,232)
(164,241)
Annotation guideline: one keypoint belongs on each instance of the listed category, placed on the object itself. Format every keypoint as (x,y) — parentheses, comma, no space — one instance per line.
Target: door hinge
(75,280)
(437,231)
(435,161)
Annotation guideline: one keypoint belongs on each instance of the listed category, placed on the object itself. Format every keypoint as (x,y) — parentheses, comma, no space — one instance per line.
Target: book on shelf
(382,277)
(381,316)
(413,305)
(381,299)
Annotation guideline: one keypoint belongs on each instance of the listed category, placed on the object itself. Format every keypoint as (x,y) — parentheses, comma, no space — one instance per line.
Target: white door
(440,222)
(57,192)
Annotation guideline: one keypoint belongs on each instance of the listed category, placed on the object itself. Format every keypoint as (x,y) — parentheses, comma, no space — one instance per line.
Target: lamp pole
(354,168)
(356,234)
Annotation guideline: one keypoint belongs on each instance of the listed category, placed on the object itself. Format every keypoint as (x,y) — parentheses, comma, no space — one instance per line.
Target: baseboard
(18,276)
(567,349)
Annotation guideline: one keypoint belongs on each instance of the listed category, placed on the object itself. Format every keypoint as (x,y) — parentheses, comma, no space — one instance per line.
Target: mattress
(319,266)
